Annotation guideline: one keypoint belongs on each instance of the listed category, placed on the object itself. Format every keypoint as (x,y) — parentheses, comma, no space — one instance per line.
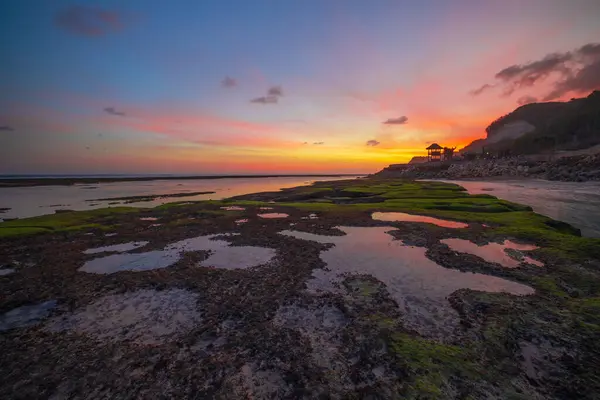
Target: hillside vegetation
(559,126)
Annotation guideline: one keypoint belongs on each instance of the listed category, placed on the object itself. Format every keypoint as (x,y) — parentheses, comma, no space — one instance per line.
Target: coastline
(66,181)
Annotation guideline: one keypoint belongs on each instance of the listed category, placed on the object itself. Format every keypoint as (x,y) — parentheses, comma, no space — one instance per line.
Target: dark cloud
(305,143)
(481,89)
(113,111)
(319,143)
(372,142)
(576,71)
(396,121)
(526,100)
(88,20)
(272,97)
(6,128)
(228,82)
(275,91)
(265,100)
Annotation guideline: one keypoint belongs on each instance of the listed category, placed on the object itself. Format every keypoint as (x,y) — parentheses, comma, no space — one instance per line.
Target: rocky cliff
(544,127)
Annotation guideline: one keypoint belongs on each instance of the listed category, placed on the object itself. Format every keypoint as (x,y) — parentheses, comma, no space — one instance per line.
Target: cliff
(544,127)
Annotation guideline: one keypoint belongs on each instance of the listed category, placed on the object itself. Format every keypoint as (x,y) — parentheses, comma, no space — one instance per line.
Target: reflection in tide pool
(222,255)
(117,248)
(508,254)
(273,215)
(577,203)
(416,283)
(24,316)
(233,208)
(403,217)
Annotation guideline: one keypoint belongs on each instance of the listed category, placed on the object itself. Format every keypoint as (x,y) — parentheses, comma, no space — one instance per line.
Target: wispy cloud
(113,111)
(479,90)
(396,121)
(372,142)
(6,128)
(576,71)
(272,97)
(228,82)
(319,143)
(265,100)
(88,20)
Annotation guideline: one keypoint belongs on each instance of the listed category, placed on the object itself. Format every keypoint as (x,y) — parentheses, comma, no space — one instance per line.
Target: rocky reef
(362,293)
(575,169)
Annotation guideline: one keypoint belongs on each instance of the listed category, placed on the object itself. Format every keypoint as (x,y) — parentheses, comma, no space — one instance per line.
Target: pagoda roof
(434,146)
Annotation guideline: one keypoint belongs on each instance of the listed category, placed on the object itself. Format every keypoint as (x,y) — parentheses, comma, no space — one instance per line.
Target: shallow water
(494,252)
(233,208)
(273,215)
(117,248)
(403,217)
(143,316)
(6,271)
(416,283)
(148,219)
(222,255)
(39,200)
(577,203)
(25,316)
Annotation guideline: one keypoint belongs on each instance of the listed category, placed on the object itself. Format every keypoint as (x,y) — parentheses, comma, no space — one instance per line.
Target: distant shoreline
(24,181)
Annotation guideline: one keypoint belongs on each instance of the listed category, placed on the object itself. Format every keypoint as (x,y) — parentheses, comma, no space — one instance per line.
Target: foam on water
(233,208)
(403,217)
(418,285)
(508,254)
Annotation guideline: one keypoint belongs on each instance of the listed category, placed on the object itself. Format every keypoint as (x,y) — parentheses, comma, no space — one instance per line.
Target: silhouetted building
(434,152)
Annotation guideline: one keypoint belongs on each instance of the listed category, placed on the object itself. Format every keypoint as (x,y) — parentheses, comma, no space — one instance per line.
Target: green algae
(64,222)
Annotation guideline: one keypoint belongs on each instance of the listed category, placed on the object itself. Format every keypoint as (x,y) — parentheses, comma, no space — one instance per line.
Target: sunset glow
(265,86)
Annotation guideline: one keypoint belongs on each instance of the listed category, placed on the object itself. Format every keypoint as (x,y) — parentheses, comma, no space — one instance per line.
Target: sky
(275,86)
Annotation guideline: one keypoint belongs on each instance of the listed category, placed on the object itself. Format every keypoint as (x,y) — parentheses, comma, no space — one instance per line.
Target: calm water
(39,200)
(577,203)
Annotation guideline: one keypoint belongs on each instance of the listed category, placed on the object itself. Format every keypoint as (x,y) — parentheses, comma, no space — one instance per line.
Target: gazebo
(434,152)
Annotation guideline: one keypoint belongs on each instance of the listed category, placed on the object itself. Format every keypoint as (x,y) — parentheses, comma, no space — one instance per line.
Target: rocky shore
(354,289)
(574,169)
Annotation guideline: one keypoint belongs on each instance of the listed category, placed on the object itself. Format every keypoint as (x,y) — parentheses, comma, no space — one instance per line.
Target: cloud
(396,121)
(228,82)
(576,71)
(6,128)
(113,111)
(483,88)
(319,143)
(372,142)
(265,100)
(275,91)
(88,21)
(526,100)
(272,97)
